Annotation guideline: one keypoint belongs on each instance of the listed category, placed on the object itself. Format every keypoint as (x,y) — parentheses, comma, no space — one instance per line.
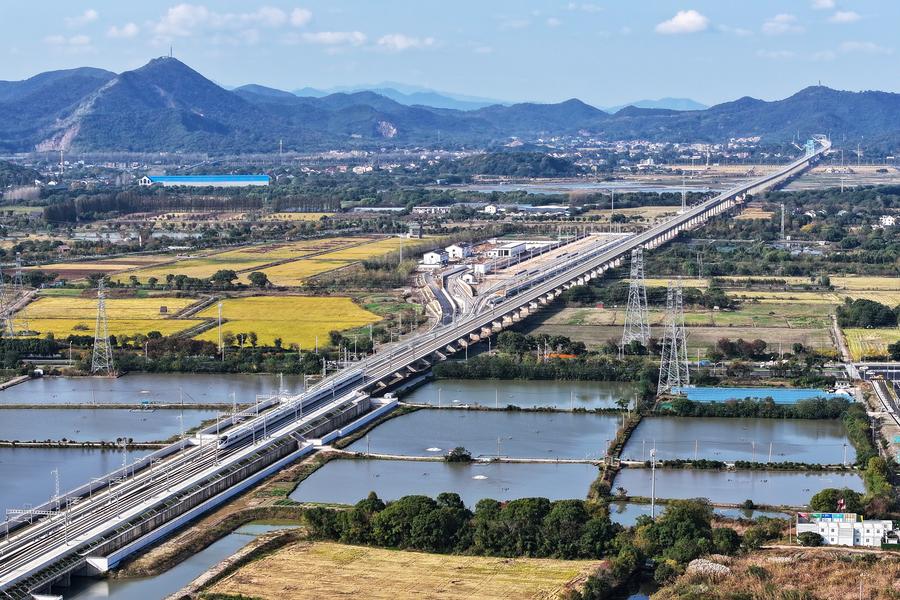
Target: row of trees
(820,408)
(535,527)
(866,314)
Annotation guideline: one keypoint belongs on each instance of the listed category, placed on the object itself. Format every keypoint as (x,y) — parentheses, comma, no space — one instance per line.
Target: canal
(164,584)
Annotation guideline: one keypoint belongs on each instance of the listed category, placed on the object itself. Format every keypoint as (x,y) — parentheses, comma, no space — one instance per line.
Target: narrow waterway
(348,481)
(492,433)
(157,588)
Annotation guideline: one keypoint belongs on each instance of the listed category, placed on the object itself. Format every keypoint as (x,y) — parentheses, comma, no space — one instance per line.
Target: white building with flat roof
(507,250)
(847,529)
(435,259)
(459,251)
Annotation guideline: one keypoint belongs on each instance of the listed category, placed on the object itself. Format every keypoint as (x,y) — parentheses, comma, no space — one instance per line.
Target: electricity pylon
(102,358)
(637,321)
(673,367)
(7,323)
(18,293)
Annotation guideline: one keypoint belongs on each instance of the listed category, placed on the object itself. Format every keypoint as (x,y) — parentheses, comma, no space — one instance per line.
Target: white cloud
(397,42)
(185,20)
(483,50)
(88,16)
(76,44)
(300,17)
(865,48)
(684,21)
(585,7)
(336,38)
(515,24)
(128,30)
(553,22)
(782,24)
(824,55)
(823,4)
(738,31)
(775,54)
(844,16)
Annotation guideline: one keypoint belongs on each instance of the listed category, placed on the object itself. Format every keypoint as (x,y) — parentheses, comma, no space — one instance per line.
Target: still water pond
(779,395)
(564,395)
(626,513)
(797,440)
(96,424)
(147,387)
(733,487)
(156,588)
(489,433)
(348,481)
(26,477)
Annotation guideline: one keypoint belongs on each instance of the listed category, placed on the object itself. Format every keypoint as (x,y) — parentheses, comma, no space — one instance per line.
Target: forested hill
(167,106)
(13,175)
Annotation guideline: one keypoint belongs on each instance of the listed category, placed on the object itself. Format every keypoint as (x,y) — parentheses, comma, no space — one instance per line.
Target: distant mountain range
(662,103)
(408,95)
(167,106)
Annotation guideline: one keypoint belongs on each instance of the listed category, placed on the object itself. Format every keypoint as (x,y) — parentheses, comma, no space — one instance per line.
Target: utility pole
(782,214)
(653,482)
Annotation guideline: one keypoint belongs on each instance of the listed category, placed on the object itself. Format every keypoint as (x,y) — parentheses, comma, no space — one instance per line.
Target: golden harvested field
(296,216)
(870,342)
(293,274)
(866,283)
(889,298)
(78,270)
(685,283)
(328,570)
(294,319)
(364,251)
(243,259)
(809,573)
(62,315)
(644,212)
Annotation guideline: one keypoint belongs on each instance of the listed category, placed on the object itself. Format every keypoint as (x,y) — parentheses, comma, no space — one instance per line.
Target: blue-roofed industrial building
(204,180)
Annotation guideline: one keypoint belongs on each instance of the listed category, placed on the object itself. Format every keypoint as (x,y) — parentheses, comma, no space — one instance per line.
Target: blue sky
(602,51)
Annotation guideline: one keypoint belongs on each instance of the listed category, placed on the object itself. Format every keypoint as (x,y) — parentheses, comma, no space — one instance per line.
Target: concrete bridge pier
(497,326)
(486,332)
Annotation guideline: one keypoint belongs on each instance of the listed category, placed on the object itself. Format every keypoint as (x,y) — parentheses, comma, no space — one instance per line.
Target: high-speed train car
(323,390)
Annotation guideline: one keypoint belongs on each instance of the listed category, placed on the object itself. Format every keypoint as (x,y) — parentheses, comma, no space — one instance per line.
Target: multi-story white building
(847,529)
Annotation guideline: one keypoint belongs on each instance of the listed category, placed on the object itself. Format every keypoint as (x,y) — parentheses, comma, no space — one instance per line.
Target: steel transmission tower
(102,359)
(18,291)
(7,323)
(637,321)
(673,367)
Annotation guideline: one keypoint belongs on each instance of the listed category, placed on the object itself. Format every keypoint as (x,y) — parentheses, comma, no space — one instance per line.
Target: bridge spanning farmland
(92,528)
